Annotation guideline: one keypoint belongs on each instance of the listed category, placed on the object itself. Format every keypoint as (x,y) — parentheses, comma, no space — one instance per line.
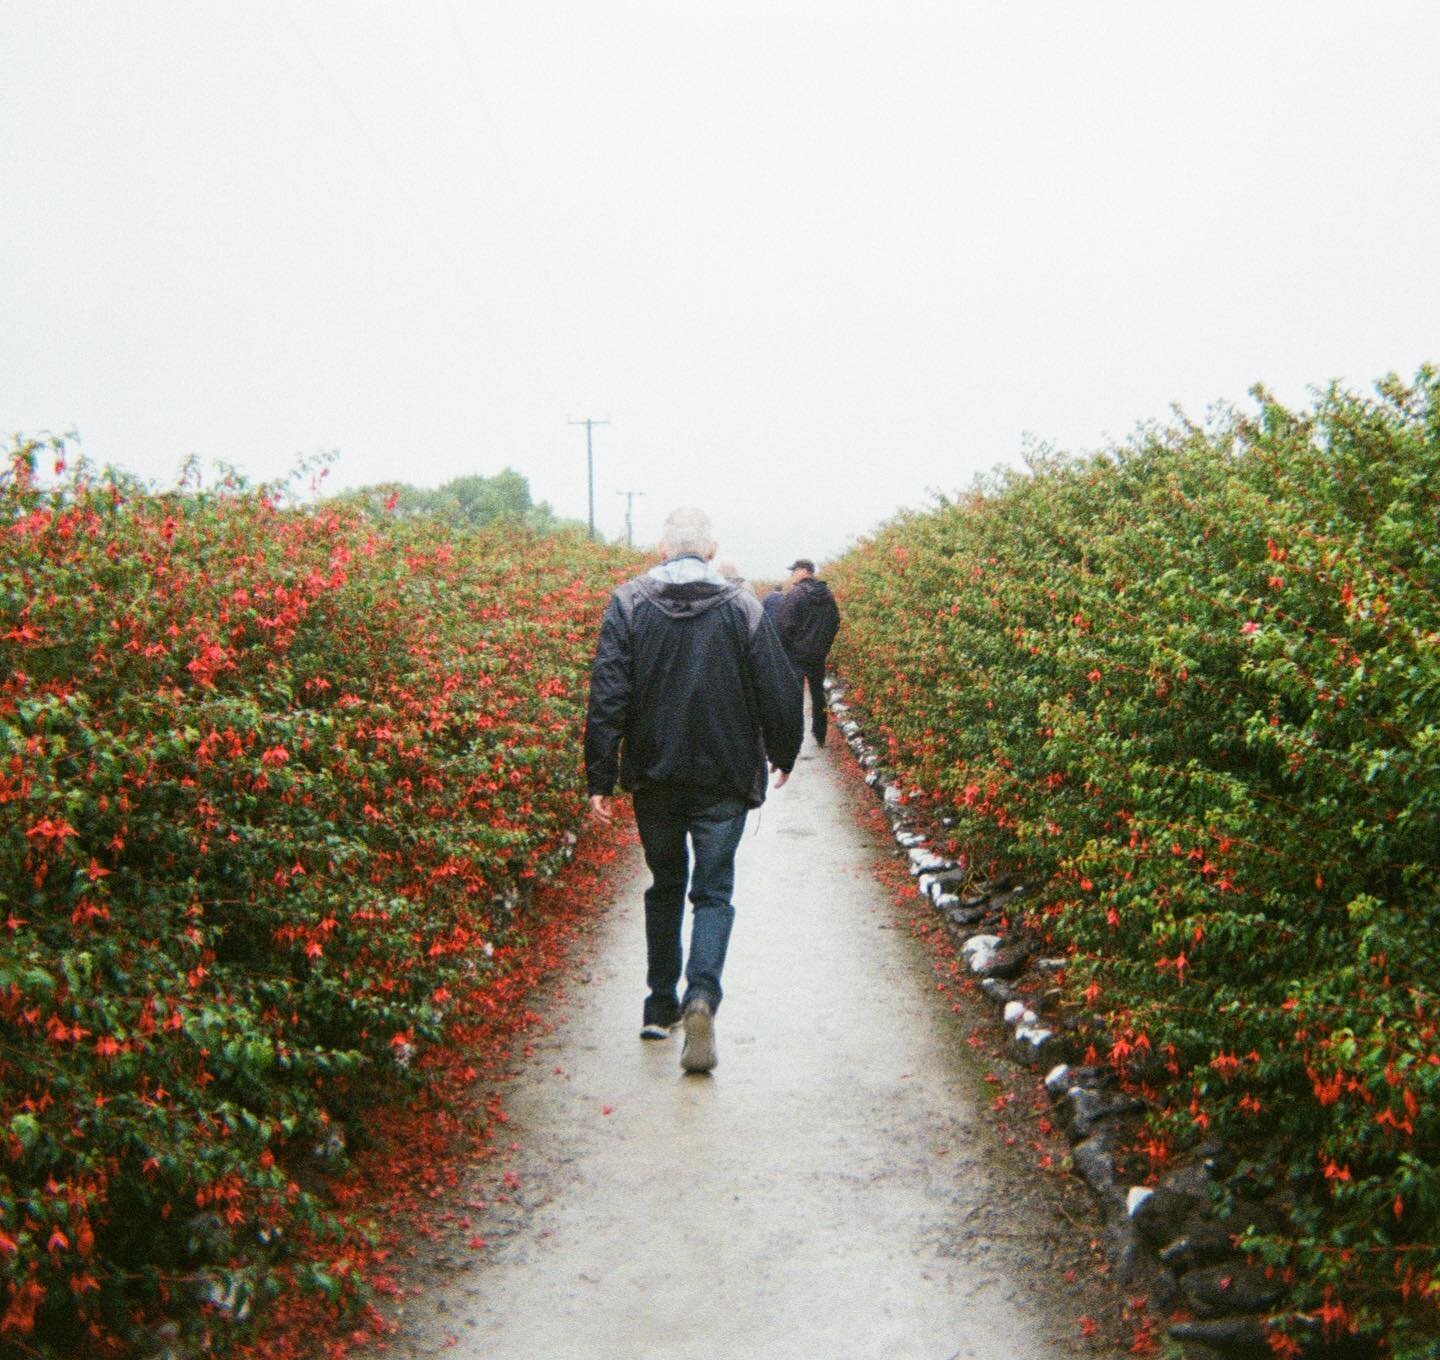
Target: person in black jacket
(690,692)
(807,623)
(771,604)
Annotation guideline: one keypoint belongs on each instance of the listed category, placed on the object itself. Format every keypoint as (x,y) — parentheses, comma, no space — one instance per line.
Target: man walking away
(808,621)
(771,604)
(731,573)
(689,692)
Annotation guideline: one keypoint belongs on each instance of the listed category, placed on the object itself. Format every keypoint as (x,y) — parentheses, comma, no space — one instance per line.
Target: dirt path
(833,1190)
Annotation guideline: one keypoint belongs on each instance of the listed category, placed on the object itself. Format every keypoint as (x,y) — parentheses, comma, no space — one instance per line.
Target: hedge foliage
(1191,686)
(271,783)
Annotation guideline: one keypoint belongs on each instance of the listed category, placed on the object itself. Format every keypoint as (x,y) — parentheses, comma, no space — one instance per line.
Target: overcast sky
(812,260)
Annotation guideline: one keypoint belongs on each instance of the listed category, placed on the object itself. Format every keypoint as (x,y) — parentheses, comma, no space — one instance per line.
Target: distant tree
(471,500)
(483,500)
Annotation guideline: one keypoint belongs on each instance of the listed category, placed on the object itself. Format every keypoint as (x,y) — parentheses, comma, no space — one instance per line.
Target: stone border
(1170,1241)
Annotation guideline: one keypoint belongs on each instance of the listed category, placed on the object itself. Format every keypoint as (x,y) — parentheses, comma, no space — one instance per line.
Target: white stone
(225,1298)
(924,861)
(980,950)
(1030,1040)
(1137,1196)
(1057,1079)
(978,942)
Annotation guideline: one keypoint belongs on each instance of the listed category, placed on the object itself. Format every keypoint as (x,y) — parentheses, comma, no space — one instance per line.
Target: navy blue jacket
(690,688)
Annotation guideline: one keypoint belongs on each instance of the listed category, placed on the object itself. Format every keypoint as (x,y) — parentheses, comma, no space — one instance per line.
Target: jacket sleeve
(610,685)
(831,622)
(777,690)
(785,616)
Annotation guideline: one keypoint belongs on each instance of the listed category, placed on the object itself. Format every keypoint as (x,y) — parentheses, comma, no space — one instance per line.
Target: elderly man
(689,693)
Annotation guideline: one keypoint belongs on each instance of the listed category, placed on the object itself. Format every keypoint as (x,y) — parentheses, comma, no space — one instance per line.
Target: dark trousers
(673,822)
(813,674)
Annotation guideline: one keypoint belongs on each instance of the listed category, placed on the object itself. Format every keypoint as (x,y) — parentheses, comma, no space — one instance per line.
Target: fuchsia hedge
(271,782)
(1190,687)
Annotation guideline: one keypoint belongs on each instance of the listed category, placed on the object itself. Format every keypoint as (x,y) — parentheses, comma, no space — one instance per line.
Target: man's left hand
(780,776)
(600,808)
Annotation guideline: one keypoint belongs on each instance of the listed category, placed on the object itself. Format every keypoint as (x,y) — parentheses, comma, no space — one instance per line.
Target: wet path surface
(832,1190)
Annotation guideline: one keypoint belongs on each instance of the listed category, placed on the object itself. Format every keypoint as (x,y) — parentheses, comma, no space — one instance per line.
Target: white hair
(687,533)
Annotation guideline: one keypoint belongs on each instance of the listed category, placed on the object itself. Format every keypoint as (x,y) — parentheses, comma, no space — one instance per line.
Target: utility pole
(629,501)
(590,463)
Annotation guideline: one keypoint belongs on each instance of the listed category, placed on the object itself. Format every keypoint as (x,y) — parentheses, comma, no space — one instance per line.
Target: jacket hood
(684,587)
(685,599)
(813,585)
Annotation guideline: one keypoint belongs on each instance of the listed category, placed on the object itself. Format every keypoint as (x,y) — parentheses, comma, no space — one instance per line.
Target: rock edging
(1174,1241)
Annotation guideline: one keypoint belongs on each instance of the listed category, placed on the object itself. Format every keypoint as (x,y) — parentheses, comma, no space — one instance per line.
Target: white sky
(812,259)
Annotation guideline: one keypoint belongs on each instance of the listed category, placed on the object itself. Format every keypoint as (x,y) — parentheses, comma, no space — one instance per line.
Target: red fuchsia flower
(1392,1120)
(1334,1317)
(1249,627)
(1328,1090)
(51,830)
(1286,1347)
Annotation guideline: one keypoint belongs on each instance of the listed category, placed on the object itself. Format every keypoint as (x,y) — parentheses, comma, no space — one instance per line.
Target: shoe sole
(658,1031)
(699,1051)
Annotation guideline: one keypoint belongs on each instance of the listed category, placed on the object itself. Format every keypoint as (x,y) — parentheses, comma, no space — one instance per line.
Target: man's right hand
(600,808)
(780,776)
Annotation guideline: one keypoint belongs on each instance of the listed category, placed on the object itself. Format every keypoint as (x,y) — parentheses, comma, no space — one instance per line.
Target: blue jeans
(713,824)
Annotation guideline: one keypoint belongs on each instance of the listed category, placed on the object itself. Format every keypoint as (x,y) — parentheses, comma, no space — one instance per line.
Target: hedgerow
(272,782)
(1191,686)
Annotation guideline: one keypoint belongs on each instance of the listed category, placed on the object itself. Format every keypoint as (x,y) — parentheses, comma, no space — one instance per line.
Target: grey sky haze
(810,260)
